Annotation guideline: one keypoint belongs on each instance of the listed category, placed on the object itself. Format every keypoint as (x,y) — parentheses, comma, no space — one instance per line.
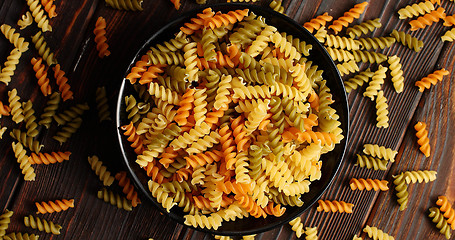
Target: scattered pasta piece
(102,104)
(431,79)
(114,199)
(377,234)
(371,162)
(440,222)
(368,184)
(15,106)
(100,38)
(30,119)
(21,236)
(416,9)
(334,206)
(100,170)
(14,37)
(348,17)
(396,73)
(25,140)
(62,83)
(449,36)
(2,131)
(382,113)
(447,209)
(422,138)
(54,206)
(358,80)
(49,7)
(128,188)
(41,75)
(10,66)
(419,176)
(428,19)
(42,48)
(42,224)
(5,220)
(176,4)
(25,21)
(311,233)
(39,15)
(402,190)
(297,226)
(375,150)
(130,5)
(407,40)
(68,130)
(364,28)
(317,22)
(49,158)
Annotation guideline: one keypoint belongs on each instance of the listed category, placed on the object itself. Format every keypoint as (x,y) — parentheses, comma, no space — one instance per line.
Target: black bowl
(331,161)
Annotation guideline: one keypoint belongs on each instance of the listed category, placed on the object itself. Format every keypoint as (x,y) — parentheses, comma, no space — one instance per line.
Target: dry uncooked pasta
(231,140)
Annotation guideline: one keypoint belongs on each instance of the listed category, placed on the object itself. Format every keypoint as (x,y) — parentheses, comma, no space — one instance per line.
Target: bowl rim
(192,13)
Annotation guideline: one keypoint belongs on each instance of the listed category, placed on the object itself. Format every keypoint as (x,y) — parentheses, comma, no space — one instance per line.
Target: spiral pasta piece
(212,221)
(15,106)
(348,17)
(375,150)
(54,206)
(14,37)
(129,5)
(377,234)
(49,110)
(49,158)
(68,130)
(447,209)
(317,22)
(128,188)
(376,83)
(381,111)
(334,206)
(186,104)
(62,83)
(297,226)
(440,222)
(402,190)
(41,75)
(407,40)
(100,38)
(30,119)
(431,79)
(364,28)
(368,57)
(368,184)
(275,5)
(161,196)
(21,236)
(419,176)
(4,110)
(200,106)
(348,67)
(5,220)
(71,113)
(10,66)
(49,7)
(43,50)
(416,9)
(336,41)
(102,104)
(39,15)
(42,224)
(114,199)
(311,233)
(422,138)
(396,73)
(25,21)
(449,36)
(358,80)
(376,42)
(26,141)
(340,54)
(100,170)
(428,19)
(197,23)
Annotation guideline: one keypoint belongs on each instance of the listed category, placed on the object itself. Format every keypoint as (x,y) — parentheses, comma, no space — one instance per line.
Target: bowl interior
(331,161)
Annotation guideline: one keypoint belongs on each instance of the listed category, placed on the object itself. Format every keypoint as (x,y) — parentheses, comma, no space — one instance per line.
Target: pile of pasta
(230,119)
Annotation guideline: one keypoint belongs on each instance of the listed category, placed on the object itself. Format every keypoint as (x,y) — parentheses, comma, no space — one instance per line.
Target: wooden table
(72,41)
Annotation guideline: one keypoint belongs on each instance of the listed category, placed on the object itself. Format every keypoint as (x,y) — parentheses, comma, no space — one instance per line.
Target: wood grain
(73,42)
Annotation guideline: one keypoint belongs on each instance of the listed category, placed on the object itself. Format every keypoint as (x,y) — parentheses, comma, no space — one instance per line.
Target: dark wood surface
(73,42)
